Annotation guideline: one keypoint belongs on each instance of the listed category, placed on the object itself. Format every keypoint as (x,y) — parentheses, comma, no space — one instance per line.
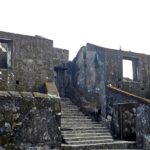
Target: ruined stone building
(27,62)
(48,102)
(26,115)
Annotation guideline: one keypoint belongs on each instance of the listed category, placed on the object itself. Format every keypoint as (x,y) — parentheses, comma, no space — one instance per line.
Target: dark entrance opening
(127,121)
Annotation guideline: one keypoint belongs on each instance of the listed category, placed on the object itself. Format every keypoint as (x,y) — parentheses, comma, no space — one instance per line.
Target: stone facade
(31,62)
(143,126)
(95,67)
(60,56)
(29,120)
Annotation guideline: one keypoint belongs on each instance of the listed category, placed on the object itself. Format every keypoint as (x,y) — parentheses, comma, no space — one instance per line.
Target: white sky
(73,23)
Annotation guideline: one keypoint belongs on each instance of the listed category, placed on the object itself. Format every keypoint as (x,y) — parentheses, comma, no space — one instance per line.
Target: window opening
(127,70)
(5,53)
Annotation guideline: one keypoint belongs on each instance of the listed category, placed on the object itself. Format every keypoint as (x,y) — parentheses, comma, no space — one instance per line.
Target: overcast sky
(73,23)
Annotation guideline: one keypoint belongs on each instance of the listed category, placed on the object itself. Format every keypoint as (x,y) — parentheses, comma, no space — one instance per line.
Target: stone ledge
(23,94)
(51,89)
(4,94)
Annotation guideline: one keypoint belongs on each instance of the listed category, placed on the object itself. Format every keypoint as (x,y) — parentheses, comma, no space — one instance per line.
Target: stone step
(89,141)
(80,138)
(72,112)
(97,146)
(69,106)
(77,122)
(74,117)
(69,109)
(77,118)
(64,102)
(83,127)
(67,102)
(71,135)
(85,120)
(81,123)
(79,131)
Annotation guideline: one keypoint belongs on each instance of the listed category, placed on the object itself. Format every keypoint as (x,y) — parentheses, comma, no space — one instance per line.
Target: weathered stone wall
(60,56)
(33,61)
(88,77)
(29,120)
(95,67)
(114,71)
(143,126)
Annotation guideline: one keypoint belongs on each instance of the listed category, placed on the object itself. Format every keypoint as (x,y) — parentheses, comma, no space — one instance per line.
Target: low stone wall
(29,120)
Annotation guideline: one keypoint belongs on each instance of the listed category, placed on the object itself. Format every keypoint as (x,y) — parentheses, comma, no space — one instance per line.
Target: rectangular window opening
(5,53)
(127,70)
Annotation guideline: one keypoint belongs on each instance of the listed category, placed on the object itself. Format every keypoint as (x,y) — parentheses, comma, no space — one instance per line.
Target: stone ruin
(29,101)
(35,77)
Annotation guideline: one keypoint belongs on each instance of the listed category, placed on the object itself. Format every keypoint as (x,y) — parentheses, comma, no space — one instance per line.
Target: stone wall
(114,71)
(95,67)
(33,60)
(29,120)
(88,78)
(143,126)
(60,56)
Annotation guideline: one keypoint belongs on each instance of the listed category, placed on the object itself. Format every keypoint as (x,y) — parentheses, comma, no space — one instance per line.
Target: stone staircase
(81,133)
